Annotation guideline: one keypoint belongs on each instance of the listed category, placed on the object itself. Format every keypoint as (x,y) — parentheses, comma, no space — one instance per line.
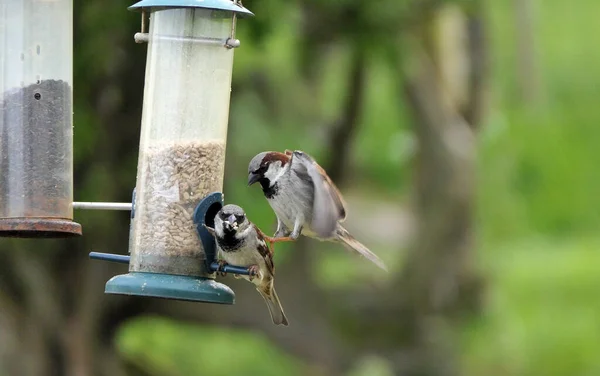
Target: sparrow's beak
(253,178)
(230,223)
(231,219)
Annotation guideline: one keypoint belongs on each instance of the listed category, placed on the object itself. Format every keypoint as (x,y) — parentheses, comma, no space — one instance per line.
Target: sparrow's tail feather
(274,305)
(343,236)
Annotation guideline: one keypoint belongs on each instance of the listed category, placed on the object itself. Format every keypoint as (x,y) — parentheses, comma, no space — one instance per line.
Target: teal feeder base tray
(169,286)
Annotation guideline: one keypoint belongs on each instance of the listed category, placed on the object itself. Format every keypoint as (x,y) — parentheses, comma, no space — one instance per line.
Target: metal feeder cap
(226,5)
(168,286)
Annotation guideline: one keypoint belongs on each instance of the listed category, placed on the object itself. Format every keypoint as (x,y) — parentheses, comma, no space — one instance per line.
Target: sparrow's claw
(253,271)
(295,234)
(222,264)
(276,239)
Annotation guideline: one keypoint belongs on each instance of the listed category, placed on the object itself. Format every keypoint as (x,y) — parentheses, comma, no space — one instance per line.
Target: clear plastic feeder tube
(36,117)
(183,136)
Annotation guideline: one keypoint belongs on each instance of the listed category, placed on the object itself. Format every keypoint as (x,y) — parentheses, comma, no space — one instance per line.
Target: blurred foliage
(165,347)
(537,162)
(537,186)
(543,319)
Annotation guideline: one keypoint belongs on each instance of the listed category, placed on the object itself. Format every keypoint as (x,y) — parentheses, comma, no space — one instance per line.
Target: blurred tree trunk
(414,322)
(528,77)
(444,88)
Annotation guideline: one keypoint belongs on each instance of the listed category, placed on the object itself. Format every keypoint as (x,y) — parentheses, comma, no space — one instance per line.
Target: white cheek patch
(274,172)
(245,233)
(271,173)
(219,228)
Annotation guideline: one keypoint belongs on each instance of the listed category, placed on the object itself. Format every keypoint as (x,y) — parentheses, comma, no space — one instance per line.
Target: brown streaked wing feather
(264,250)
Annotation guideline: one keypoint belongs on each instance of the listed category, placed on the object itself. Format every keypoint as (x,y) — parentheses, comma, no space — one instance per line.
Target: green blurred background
(494,266)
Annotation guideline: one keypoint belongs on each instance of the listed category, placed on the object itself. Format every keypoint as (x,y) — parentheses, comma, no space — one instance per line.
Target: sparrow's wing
(264,250)
(288,152)
(329,207)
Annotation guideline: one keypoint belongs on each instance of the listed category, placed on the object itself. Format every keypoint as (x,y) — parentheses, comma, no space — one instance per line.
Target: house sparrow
(304,199)
(241,243)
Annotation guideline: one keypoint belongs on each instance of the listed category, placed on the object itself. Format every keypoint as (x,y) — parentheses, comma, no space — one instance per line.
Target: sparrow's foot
(253,271)
(276,239)
(296,233)
(222,264)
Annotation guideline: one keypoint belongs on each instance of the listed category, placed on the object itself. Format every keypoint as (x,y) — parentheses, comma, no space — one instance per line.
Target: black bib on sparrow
(229,243)
(269,191)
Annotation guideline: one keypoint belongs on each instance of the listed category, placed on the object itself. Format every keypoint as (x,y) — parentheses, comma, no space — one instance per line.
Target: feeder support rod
(102,205)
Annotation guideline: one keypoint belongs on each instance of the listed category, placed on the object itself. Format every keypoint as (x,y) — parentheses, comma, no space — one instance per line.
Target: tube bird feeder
(36,119)
(182,149)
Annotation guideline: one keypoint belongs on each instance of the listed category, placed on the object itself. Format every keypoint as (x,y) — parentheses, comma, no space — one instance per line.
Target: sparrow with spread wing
(304,199)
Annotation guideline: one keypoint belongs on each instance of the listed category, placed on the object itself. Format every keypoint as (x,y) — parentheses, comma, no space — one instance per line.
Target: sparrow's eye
(262,169)
(240,218)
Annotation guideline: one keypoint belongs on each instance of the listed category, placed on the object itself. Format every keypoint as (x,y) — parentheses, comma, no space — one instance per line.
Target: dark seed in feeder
(35,146)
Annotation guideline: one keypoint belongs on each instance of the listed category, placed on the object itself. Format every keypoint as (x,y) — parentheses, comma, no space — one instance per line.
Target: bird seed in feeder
(175,177)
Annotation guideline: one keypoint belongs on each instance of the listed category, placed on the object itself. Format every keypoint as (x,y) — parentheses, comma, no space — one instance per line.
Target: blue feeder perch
(182,151)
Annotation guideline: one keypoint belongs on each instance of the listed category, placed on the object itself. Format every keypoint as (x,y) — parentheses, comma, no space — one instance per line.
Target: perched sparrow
(241,243)
(304,199)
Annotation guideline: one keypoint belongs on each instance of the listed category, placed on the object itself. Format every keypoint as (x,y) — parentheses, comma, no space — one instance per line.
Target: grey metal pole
(102,205)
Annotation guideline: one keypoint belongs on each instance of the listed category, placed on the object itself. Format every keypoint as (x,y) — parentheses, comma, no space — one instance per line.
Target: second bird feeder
(36,119)
(182,148)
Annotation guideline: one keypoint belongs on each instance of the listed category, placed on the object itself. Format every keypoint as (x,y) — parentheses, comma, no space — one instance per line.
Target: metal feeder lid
(168,286)
(226,5)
